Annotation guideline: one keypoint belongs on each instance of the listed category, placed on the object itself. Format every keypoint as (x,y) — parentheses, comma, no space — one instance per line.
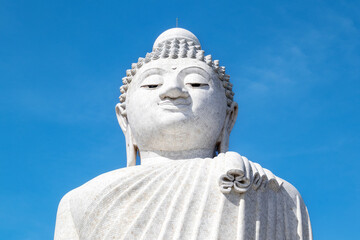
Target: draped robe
(227,197)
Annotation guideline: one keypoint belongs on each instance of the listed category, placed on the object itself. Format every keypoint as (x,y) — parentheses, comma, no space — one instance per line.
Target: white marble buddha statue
(177,110)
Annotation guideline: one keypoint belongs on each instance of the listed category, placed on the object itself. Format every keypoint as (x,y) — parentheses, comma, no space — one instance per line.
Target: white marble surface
(176,110)
(176,102)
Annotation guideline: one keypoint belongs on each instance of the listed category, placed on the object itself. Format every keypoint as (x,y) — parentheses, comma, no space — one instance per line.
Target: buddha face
(176,105)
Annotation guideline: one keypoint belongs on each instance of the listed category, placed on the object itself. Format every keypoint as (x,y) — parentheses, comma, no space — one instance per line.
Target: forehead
(169,65)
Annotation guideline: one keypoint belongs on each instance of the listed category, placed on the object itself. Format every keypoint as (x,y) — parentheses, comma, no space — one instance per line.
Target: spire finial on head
(178,33)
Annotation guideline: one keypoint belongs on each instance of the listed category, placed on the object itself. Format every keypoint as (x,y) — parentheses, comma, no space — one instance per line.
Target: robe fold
(227,197)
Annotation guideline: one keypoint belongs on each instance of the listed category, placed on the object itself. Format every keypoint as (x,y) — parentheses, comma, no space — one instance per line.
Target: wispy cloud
(301,57)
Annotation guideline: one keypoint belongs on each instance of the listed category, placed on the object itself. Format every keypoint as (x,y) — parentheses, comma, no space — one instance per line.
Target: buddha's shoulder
(78,200)
(100,181)
(290,190)
(261,177)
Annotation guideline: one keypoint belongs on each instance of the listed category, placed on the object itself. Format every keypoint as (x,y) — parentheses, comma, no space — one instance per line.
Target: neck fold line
(151,157)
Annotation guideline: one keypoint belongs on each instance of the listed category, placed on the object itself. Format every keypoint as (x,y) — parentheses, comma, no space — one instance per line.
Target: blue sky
(296,75)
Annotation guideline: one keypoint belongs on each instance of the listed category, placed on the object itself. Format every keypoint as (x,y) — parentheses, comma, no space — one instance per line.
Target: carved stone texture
(176,111)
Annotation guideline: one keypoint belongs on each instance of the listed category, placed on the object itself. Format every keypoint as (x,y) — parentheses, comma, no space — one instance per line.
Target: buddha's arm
(65,227)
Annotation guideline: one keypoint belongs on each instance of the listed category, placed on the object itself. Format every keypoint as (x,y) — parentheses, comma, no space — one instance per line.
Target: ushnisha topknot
(176,48)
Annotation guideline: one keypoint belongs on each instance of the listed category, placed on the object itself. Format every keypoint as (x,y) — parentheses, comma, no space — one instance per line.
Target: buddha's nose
(172,91)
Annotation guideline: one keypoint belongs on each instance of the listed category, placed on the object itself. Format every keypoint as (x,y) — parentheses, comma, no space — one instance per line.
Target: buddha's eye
(152,82)
(197,85)
(195,80)
(151,86)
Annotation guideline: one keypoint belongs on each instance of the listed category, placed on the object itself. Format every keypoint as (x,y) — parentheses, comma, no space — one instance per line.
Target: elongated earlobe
(131,149)
(223,143)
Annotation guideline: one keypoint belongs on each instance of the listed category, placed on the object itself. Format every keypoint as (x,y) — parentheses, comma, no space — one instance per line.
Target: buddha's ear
(121,117)
(131,149)
(231,115)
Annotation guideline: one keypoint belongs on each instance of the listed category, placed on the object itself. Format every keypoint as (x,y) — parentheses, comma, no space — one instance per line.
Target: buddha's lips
(174,104)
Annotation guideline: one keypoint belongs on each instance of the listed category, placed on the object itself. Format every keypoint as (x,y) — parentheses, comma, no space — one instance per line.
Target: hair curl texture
(176,48)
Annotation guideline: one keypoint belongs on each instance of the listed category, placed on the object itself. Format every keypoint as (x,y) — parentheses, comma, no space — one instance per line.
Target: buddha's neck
(151,157)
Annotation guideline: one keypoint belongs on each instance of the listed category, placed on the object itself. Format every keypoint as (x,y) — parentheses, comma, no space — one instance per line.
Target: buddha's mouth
(174,104)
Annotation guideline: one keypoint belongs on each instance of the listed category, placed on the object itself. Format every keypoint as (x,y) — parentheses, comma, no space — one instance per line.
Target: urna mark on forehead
(176,43)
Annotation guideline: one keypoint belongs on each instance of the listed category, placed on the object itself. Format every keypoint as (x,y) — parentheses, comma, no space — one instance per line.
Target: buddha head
(176,102)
